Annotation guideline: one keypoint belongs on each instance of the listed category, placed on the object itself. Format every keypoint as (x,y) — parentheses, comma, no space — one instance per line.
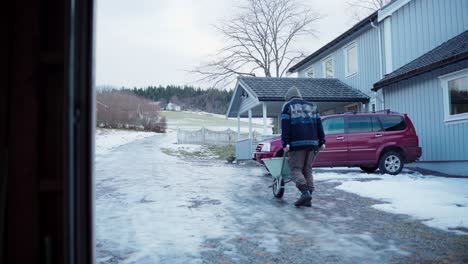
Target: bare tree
(362,8)
(259,40)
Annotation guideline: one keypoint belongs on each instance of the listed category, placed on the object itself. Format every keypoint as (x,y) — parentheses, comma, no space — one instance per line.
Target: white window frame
(324,68)
(345,50)
(444,79)
(373,102)
(310,70)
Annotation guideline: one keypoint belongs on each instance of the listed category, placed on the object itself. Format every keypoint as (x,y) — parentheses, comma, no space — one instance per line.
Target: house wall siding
(422,25)
(422,99)
(368,62)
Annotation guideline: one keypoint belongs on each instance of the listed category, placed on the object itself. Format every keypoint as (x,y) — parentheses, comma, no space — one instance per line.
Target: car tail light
(259,148)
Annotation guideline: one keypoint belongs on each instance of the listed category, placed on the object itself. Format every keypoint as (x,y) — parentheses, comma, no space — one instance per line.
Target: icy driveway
(154,208)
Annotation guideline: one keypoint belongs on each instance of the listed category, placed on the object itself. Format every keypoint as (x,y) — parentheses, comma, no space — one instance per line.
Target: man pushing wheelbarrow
(302,137)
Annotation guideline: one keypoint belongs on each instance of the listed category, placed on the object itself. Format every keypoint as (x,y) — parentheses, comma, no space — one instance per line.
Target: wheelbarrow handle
(285,156)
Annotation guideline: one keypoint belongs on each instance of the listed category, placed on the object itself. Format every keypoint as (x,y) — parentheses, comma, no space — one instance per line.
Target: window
(359,124)
(458,95)
(351,60)
(328,67)
(310,73)
(328,112)
(392,123)
(352,108)
(333,126)
(455,87)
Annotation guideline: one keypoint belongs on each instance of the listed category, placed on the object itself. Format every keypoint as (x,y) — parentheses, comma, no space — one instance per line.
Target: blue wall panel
(422,25)
(422,99)
(368,61)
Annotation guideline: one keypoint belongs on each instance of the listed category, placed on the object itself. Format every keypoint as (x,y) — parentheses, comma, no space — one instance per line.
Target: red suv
(383,140)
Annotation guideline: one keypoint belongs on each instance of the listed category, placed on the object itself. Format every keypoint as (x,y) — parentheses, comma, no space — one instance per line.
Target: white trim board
(390,9)
(388,45)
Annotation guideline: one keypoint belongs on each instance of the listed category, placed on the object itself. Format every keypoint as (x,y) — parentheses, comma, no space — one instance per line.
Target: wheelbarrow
(279,170)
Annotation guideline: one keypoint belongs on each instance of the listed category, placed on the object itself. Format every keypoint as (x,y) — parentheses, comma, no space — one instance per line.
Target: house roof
(312,89)
(454,50)
(332,43)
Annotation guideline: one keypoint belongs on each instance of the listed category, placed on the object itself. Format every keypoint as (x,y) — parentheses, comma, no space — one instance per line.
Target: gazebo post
(250,123)
(238,127)
(264,118)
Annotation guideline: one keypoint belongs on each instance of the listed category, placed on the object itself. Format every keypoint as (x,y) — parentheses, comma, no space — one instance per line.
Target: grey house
(411,57)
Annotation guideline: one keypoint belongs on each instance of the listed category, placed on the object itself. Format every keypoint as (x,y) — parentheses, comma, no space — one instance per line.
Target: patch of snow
(107,139)
(439,202)
(335,174)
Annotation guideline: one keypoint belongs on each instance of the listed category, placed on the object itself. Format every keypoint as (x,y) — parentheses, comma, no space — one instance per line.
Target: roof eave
(454,59)
(232,100)
(317,99)
(335,41)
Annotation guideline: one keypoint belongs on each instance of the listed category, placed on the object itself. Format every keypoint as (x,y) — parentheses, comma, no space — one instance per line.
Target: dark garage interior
(46,132)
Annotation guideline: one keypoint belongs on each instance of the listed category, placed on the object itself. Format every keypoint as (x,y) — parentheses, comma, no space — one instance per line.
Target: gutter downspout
(380,58)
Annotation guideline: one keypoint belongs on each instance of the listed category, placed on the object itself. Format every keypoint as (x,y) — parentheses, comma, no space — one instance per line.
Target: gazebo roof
(312,89)
(251,91)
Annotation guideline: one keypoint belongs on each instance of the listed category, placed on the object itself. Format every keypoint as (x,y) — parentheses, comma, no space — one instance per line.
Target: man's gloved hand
(286,149)
(322,147)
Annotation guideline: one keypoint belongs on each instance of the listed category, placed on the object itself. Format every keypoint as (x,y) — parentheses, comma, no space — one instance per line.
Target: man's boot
(305,197)
(309,203)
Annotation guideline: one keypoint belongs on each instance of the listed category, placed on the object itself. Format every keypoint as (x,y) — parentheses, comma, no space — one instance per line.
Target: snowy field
(196,120)
(439,202)
(107,139)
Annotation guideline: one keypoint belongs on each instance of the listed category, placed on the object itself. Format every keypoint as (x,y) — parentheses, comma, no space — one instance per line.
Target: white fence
(205,136)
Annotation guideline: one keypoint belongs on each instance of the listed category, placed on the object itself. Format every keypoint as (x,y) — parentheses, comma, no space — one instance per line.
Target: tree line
(188,97)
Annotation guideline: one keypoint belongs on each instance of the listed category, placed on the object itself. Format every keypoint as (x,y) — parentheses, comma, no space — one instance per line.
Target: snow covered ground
(157,208)
(106,139)
(439,202)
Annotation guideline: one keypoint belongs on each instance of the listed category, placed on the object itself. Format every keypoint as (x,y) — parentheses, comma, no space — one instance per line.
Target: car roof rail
(387,111)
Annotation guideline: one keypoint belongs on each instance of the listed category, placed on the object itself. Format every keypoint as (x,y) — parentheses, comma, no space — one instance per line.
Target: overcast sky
(155,42)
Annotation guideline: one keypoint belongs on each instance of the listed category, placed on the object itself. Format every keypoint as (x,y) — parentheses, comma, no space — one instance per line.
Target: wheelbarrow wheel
(278,188)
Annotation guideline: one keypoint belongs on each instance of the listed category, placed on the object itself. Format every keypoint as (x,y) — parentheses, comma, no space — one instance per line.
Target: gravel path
(340,228)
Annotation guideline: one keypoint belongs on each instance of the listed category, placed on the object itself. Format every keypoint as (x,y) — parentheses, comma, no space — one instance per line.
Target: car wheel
(391,163)
(278,188)
(370,169)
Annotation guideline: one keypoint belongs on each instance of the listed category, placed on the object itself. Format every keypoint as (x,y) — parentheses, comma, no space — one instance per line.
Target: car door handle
(378,135)
(339,138)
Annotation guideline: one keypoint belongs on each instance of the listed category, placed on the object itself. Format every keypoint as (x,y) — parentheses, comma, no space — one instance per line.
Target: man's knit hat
(292,92)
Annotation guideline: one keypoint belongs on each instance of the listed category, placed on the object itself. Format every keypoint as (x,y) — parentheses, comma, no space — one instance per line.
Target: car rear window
(334,125)
(392,123)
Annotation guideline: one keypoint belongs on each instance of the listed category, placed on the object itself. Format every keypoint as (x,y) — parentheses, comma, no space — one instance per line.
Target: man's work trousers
(300,163)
